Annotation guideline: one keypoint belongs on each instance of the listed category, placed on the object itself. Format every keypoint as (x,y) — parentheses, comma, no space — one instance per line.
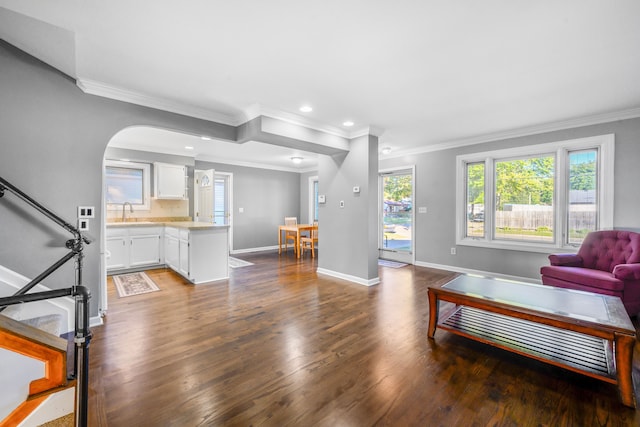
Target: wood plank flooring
(279,345)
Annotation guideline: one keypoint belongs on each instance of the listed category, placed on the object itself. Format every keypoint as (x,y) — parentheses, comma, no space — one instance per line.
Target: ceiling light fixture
(386,150)
(188,147)
(348,123)
(296,160)
(206,138)
(306,109)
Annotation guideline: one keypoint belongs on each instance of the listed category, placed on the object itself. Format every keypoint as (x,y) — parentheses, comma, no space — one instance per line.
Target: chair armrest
(568,260)
(627,271)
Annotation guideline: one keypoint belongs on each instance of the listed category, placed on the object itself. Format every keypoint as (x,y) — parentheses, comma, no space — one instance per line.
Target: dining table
(298,229)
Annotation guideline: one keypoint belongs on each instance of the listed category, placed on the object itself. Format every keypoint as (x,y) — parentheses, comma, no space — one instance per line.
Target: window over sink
(127,182)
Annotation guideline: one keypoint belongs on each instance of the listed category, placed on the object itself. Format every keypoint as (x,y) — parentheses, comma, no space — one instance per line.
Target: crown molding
(525,131)
(112,92)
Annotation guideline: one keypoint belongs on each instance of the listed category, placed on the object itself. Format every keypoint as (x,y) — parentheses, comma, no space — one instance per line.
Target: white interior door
(204,195)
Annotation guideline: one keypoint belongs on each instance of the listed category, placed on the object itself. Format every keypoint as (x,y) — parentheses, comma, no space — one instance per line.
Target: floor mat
(237,263)
(134,284)
(392,264)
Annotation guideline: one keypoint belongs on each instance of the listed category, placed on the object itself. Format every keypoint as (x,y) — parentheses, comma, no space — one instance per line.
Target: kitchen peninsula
(199,251)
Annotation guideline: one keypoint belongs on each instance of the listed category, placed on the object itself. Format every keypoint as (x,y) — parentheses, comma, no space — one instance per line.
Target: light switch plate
(356,189)
(342,203)
(86,212)
(83,224)
(422,209)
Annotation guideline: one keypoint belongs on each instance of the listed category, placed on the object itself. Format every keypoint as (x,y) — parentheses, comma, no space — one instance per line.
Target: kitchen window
(127,182)
(535,198)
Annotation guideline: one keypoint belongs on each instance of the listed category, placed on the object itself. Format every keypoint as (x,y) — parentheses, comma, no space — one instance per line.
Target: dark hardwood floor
(279,345)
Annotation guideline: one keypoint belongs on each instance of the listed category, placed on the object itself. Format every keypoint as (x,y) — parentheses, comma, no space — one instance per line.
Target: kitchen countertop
(190,225)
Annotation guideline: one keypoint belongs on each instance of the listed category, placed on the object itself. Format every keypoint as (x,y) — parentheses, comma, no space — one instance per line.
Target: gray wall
(52,144)
(349,234)
(436,187)
(266,196)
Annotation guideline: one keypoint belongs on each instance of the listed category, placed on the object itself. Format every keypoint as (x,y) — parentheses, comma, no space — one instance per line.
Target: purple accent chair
(608,262)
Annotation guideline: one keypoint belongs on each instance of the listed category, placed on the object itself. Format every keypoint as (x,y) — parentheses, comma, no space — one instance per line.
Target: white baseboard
(95,321)
(348,277)
(246,251)
(477,272)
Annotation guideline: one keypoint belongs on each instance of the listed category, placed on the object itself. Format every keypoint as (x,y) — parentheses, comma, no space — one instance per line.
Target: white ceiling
(422,74)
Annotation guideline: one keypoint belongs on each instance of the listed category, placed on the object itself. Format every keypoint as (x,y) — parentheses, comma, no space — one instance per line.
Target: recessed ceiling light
(206,138)
(296,160)
(306,109)
(348,123)
(386,150)
(188,147)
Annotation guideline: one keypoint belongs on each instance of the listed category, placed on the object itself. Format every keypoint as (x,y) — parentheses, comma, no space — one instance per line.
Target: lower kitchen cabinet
(133,247)
(200,254)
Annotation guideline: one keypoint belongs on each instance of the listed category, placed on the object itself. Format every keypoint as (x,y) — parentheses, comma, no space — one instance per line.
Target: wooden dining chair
(290,235)
(310,242)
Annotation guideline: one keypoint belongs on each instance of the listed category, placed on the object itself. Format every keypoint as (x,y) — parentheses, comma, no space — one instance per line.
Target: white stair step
(51,323)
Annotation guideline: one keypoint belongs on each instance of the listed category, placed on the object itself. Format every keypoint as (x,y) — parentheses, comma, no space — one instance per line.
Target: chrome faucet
(130,209)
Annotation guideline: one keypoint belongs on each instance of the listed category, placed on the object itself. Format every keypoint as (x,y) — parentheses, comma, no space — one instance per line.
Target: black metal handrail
(81,294)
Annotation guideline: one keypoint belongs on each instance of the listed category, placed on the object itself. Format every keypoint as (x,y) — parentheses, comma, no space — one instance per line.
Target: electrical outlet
(453,251)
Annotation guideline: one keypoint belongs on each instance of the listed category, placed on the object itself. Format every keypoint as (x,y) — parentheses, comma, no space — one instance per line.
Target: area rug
(134,284)
(237,263)
(392,264)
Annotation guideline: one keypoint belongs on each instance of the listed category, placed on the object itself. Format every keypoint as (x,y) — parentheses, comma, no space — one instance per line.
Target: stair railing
(82,333)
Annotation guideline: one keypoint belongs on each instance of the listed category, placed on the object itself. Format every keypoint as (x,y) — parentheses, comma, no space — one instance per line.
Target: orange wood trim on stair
(21,412)
(32,342)
(55,361)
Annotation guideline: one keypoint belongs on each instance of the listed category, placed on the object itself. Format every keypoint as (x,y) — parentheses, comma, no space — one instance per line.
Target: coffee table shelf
(572,349)
(587,333)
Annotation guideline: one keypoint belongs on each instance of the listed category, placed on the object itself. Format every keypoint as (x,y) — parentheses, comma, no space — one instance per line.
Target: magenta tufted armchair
(608,262)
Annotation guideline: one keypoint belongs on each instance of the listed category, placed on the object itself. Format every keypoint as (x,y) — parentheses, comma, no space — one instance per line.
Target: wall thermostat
(321,198)
(356,189)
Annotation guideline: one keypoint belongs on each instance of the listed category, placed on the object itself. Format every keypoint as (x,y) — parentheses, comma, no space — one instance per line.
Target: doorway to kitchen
(396,218)
(214,198)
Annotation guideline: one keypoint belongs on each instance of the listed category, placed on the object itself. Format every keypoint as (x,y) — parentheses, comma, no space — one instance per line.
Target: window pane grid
(582,214)
(475,199)
(524,191)
(124,185)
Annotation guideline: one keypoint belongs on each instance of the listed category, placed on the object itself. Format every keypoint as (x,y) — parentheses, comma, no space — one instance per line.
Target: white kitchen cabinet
(184,266)
(133,247)
(117,252)
(202,252)
(171,248)
(170,181)
(144,250)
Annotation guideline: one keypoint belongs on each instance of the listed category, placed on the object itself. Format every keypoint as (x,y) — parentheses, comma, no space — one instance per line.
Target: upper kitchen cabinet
(170,181)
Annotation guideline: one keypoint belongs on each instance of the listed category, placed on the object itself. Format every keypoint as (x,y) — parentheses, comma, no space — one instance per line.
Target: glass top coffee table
(584,332)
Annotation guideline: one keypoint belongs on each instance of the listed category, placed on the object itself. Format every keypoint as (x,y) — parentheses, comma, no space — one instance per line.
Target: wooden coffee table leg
(433,314)
(624,355)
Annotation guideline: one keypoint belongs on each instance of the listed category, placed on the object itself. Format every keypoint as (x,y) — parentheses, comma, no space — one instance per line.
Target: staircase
(33,357)
(25,330)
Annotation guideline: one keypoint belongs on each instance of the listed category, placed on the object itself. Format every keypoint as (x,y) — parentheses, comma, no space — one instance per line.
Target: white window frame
(605,203)
(146,183)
